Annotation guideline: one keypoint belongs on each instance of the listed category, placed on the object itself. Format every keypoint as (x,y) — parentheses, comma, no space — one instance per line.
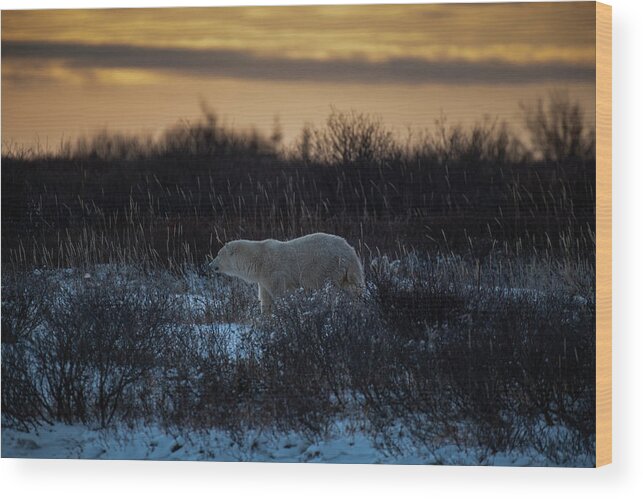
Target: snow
(345,445)
(232,336)
(346,441)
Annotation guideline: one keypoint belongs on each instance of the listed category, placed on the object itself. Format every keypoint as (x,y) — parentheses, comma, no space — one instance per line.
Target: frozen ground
(346,445)
(346,442)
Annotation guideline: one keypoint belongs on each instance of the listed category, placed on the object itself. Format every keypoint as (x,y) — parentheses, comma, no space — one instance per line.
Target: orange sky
(72,72)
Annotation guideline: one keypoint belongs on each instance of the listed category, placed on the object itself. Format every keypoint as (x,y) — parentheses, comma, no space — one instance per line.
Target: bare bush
(22,402)
(558,130)
(413,297)
(419,362)
(485,144)
(101,339)
(110,146)
(310,343)
(350,138)
(231,300)
(212,381)
(208,137)
(485,378)
(24,301)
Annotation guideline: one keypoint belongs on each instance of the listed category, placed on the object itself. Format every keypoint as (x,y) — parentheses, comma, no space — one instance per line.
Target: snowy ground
(345,446)
(346,442)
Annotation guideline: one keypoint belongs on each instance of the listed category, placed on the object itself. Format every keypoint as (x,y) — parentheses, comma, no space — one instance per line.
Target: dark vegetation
(477,330)
(173,201)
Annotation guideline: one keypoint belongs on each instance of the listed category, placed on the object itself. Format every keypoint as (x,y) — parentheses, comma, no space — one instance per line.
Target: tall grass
(175,200)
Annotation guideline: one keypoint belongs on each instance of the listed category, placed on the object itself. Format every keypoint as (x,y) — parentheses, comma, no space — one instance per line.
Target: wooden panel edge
(603,234)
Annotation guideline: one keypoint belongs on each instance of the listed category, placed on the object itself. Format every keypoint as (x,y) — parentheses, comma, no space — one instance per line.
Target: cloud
(246,65)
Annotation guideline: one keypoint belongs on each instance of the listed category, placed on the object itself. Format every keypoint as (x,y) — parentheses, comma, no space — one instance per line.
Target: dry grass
(175,201)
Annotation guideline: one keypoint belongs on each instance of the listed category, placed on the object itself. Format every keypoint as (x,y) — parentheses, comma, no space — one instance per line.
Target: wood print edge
(603,234)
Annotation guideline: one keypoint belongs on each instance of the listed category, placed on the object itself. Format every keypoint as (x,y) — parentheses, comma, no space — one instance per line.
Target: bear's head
(227,260)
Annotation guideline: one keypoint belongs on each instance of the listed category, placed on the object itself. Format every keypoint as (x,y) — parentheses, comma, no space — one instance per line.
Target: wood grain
(603,234)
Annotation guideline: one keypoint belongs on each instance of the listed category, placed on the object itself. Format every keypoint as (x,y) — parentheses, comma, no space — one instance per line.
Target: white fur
(278,267)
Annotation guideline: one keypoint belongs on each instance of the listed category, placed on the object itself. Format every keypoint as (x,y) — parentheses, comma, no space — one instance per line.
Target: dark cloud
(242,64)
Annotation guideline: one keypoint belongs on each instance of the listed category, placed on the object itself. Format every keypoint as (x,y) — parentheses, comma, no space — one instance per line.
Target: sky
(67,73)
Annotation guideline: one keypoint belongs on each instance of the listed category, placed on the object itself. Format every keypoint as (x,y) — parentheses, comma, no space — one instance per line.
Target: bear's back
(320,243)
(317,238)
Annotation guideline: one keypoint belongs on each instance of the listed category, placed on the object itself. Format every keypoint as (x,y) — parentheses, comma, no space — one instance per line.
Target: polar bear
(278,267)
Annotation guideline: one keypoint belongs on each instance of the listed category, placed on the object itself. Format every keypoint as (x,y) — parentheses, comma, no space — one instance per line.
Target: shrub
(24,300)
(439,352)
(22,401)
(309,348)
(101,339)
(350,138)
(486,378)
(558,130)
(411,296)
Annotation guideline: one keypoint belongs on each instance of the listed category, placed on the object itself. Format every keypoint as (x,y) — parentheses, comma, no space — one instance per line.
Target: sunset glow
(73,72)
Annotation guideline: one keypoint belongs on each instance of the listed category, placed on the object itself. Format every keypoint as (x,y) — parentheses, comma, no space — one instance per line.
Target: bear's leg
(265,299)
(272,289)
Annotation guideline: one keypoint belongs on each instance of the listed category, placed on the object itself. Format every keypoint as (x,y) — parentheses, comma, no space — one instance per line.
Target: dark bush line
(201,184)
